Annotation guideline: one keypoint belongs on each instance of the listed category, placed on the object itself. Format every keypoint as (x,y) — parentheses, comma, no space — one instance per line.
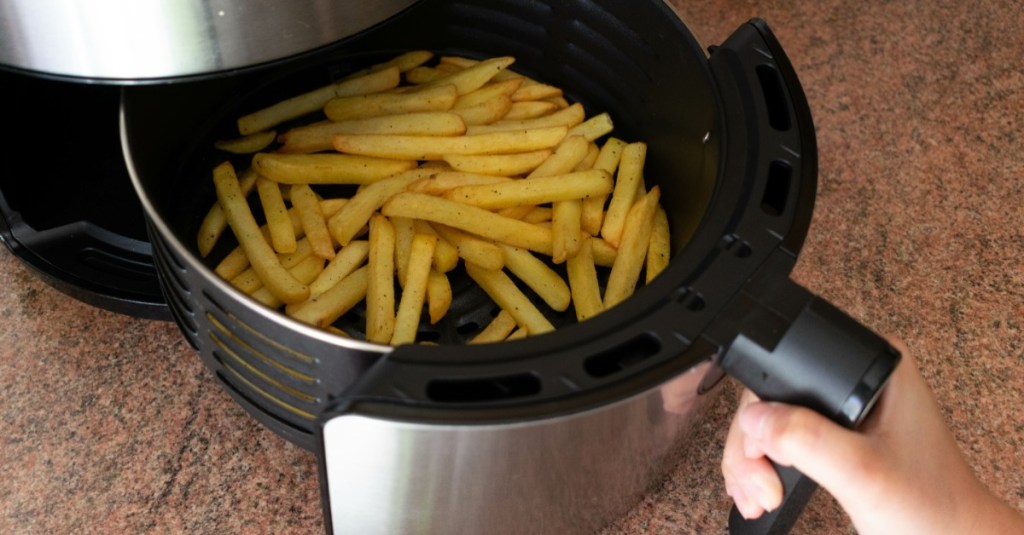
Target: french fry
(470,219)
(422,75)
(313,101)
(566,156)
(538,214)
(518,334)
(604,253)
(636,238)
(380,289)
(439,295)
(594,127)
(593,208)
(215,222)
(533,191)
(346,261)
(336,301)
(248,281)
(439,98)
(499,164)
(326,168)
(497,330)
(472,249)
(565,230)
(350,218)
(558,101)
(304,272)
(311,217)
(568,117)
(631,169)
(485,113)
(446,255)
(318,137)
(529,109)
(659,250)
(407,319)
(583,284)
(247,144)
(404,62)
(506,295)
(448,180)
(436,147)
(543,280)
(488,93)
(535,91)
(261,256)
(471,78)
(405,232)
(282,233)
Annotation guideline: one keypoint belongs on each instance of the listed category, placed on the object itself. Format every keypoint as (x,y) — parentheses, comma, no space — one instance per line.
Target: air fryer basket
(635,61)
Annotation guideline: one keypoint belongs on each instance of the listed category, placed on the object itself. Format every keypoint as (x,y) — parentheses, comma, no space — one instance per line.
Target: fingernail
(747,508)
(760,492)
(752,419)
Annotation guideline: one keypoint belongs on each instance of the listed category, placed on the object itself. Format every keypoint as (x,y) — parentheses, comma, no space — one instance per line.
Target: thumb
(833,456)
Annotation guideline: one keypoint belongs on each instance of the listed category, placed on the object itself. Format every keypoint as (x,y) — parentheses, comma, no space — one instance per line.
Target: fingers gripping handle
(797,348)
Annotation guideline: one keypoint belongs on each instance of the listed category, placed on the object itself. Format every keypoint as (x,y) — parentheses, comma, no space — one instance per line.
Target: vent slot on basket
(776,189)
(483,389)
(623,356)
(774,97)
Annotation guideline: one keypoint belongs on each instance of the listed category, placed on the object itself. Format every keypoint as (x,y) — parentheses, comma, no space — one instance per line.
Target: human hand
(901,472)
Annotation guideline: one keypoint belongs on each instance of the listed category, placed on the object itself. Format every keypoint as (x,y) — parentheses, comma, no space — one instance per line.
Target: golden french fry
(568,117)
(488,93)
(566,156)
(529,109)
(282,233)
(485,113)
(248,282)
(583,284)
(471,78)
(405,62)
(247,144)
(439,295)
(350,218)
(636,238)
(531,90)
(422,75)
(590,159)
(414,293)
(346,261)
(326,168)
(436,148)
(565,230)
(380,289)
(543,280)
(447,180)
(304,272)
(518,334)
(659,250)
(558,101)
(325,309)
(631,169)
(215,222)
(313,101)
(405,232)
(472,249)
(446,255)
(533,191)
(537,214)
(261,256)
(497,330)
(439,98)
(470,219)
(318,137)
(594,127)
(593,208)
(499,164)
(604,252)
(506,295)
(311,217)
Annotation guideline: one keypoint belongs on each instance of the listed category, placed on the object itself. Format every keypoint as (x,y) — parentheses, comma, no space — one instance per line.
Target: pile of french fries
(450,159)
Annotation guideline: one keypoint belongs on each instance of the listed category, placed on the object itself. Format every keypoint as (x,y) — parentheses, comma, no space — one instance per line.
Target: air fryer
(561,432)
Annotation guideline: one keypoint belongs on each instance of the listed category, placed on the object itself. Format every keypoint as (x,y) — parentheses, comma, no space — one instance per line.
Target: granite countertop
(111,424)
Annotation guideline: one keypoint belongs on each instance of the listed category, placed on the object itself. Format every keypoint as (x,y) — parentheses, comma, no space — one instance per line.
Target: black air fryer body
(570,426)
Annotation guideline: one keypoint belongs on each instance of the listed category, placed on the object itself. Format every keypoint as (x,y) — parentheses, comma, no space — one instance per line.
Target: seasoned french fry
(543,280)
(604,253)
(446,255)
(435,98)
(518,334)
(414,293)
(439,295)
(533,191)
(350,218)
(304,272)
(248,282)
(422,75)
(405,62)
(326,168)
(311,216)
(529,109)
(318,137)
(215,222)
(247,144)
(631,169)
(261,256)
(499,164)
(535,91)
(336,301)
(447,180)
(538,214)
(568,117)
(583,284)
(487,93)
(566,156)
(497,330)
(636,238)
(558,101)
(506,295)
(436,147)
(313,101)
(282,233)
(594,127)
(471,78)
(593,208)
(658,252)
(380,290)
(470,219)
(405,232)
(565,230)
(485,113)
(347,260)
(472,249)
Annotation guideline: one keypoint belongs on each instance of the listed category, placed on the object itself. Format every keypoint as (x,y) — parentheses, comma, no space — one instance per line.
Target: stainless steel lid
(145,40)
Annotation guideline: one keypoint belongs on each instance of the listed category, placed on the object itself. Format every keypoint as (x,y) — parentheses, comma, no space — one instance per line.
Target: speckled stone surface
(111,424)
